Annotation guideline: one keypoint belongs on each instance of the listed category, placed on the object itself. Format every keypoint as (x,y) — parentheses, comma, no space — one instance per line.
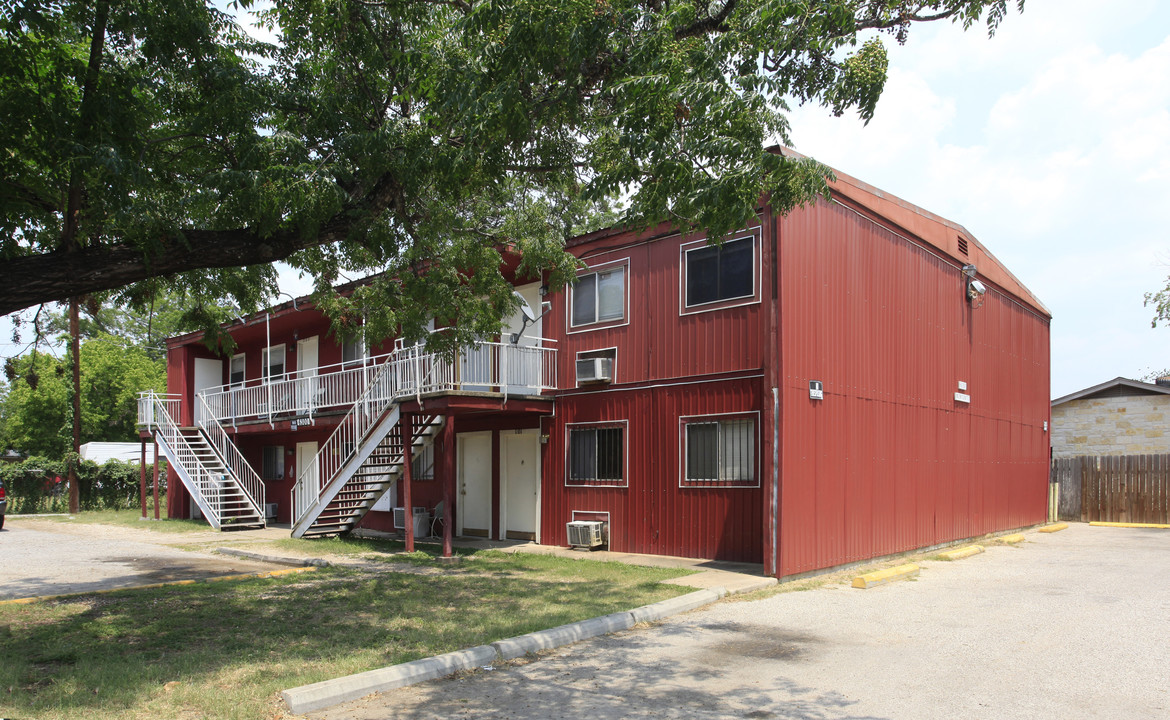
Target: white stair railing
(231,456)
(345,442)
(205,485)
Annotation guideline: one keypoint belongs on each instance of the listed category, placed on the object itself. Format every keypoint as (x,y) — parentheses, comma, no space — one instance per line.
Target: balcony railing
(484,367)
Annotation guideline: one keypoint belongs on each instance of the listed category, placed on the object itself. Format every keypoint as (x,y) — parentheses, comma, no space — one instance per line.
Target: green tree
(37,411)
(155,141)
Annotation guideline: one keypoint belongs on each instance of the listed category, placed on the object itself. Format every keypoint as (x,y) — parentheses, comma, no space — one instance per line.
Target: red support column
(407,435)
(448,484)
(142,479)
(156,479)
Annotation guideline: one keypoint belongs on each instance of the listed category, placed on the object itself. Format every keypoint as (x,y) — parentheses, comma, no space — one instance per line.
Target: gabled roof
(1117,387)
(948,237)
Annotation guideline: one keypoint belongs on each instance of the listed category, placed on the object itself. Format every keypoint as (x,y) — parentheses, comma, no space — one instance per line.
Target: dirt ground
(1069,625)
(44,557)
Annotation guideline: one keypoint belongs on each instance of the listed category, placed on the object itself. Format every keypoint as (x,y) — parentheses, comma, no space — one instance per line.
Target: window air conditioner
(594,370)
(587,533)
(270,511)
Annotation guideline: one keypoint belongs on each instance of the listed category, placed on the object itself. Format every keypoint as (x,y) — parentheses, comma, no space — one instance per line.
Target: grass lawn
(225,650)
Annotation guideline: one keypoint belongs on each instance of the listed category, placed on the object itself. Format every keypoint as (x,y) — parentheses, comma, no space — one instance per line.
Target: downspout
(266,371)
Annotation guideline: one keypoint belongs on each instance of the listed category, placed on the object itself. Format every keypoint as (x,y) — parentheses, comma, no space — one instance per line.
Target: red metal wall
(669,365)
(889,460)
(652,514)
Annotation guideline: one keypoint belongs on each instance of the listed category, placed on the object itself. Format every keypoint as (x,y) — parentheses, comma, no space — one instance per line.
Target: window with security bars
(597,455)
(721,453)
(422,463)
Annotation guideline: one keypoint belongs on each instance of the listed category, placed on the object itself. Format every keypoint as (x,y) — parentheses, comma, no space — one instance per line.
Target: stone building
(1118,417)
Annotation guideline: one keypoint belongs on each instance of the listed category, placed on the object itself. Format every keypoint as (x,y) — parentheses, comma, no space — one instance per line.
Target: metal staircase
(357,493)
(214,482)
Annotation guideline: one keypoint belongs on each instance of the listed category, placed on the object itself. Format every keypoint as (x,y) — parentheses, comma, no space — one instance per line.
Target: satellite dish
(525,307)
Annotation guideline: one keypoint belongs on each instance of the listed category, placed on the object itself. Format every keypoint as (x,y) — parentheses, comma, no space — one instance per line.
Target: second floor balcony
(497,368)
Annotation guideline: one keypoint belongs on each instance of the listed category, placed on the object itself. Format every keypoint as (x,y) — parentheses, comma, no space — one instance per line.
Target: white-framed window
(272,462)
(716,277)
(598,296)
(236,372)
(272,361)
(353,350)
(719,451)
(596,454)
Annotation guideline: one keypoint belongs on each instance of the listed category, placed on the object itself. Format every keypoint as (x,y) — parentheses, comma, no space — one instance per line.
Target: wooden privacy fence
(1113,488)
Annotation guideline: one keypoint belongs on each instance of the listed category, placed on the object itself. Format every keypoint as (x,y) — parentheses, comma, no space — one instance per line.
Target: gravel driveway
(42,557)
(1070,625)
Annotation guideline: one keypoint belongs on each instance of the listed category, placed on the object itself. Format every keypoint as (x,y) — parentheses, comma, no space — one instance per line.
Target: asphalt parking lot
(1071,625)
(41,557)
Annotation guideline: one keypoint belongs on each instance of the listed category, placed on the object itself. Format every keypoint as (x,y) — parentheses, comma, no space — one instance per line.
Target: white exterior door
(208,374)
(520,475)
(474,507)
(306,373)
(307,459)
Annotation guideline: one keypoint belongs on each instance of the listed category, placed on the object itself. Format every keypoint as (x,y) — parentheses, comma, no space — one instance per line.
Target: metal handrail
(345,441)
(205,484)
(231,456)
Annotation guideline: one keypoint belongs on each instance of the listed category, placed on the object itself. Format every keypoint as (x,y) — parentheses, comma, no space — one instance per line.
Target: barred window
(597,455)
(422,463)
(720,452)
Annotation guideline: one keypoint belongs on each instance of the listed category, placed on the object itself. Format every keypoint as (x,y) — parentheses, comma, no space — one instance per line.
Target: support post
(407,435)
(448,484)
(142,478)
(156,479)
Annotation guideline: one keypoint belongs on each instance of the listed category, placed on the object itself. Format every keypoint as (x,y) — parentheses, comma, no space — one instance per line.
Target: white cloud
(1051,143)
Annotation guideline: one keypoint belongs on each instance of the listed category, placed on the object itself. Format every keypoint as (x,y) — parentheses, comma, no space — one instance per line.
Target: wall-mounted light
(975,290)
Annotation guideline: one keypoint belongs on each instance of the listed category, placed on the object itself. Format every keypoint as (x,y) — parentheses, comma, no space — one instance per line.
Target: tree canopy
(146,142)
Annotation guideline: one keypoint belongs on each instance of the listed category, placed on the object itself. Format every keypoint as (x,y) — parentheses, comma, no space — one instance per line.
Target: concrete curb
(1159,526)
(881,577)
(963,552)
(1011,539)
(274,559)
(1054,528)
(153,586)
(331,692)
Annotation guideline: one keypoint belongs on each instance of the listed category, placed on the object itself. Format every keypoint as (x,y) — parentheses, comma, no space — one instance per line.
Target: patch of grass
(224,650)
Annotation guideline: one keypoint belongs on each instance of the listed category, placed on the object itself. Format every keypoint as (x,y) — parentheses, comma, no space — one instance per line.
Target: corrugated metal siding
(889,461)
(652,514)
(656,342)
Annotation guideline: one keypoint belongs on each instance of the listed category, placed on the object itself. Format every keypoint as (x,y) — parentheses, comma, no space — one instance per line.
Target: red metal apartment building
(855,379)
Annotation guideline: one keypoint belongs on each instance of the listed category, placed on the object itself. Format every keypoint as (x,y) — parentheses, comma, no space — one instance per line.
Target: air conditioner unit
(421,520)
(587,533)
(594,370)
(270,511)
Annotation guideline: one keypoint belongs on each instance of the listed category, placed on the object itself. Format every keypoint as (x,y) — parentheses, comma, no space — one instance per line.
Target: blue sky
(1051,143)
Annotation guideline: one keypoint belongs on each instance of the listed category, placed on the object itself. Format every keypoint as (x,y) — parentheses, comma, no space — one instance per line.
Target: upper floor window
(597,454)
(353,349)
(272,361)
(236,374)
(720,451)
(599,296)
(723,272)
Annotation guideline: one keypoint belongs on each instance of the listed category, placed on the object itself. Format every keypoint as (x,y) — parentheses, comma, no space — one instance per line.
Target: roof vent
(962,244)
